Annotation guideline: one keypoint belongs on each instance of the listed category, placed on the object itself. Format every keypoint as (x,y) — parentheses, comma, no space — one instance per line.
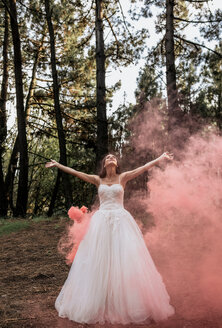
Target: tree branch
(121,9)
(46,133)
(39,13)
(77,120)
(114,34)
(84,41)
(198,45)
(196,22)
(200,1)
(7,8)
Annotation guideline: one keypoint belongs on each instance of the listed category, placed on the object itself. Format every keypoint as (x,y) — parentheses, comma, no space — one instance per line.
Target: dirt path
(32,273)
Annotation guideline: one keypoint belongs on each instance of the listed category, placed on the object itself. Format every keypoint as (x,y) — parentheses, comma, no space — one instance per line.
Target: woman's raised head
(109,160)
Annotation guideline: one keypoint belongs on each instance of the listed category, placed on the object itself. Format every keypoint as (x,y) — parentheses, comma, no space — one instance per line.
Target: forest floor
(32,273)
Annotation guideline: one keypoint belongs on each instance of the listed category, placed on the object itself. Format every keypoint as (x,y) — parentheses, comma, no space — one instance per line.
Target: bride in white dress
(113,277)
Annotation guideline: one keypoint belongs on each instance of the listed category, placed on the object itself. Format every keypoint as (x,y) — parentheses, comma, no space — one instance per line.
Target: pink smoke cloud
(185,201)
(69,242)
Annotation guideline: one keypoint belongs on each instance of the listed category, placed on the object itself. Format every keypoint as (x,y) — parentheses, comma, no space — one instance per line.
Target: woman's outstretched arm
(129,175)
(94,179)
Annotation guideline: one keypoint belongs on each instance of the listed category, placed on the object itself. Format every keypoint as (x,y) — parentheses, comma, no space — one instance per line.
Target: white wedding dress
(113,277)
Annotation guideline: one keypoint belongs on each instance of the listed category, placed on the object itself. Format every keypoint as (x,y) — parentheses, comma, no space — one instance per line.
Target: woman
(113,277)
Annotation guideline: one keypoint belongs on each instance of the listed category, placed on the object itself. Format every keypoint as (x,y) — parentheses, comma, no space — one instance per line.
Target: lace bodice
(111,197)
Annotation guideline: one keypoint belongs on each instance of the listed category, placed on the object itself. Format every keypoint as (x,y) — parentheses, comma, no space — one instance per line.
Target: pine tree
(22,194)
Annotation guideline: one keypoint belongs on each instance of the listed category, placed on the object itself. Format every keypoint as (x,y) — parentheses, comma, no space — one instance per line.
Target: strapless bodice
(111,197)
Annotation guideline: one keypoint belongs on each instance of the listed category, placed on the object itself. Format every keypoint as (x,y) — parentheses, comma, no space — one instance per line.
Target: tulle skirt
(113,277)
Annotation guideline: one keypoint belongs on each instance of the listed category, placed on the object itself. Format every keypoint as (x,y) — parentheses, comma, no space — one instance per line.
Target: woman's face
(110,160)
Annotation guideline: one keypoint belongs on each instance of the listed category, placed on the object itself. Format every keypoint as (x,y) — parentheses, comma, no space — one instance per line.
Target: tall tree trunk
(22,194)
(3,120)
(102,129)
(172,95)
(9,180)
(61,135)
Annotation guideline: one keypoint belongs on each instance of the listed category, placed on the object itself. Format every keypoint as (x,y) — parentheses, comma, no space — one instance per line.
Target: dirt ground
(32,274)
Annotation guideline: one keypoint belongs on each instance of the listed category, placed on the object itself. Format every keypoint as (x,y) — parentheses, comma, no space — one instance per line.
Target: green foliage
(148,84)
(199,85)
(208,102)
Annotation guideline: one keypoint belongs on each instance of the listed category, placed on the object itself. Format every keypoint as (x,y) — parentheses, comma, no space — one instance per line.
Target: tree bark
(61,135)
(22,194)
(172,95)
(102,126)
(9,180)
(3,119)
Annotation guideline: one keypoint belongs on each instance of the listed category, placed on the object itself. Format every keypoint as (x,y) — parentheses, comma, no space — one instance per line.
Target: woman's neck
(110,173)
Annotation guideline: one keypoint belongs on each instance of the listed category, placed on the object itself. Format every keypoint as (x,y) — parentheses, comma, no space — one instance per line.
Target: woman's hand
(51,164)
(167,155)
(94,179)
